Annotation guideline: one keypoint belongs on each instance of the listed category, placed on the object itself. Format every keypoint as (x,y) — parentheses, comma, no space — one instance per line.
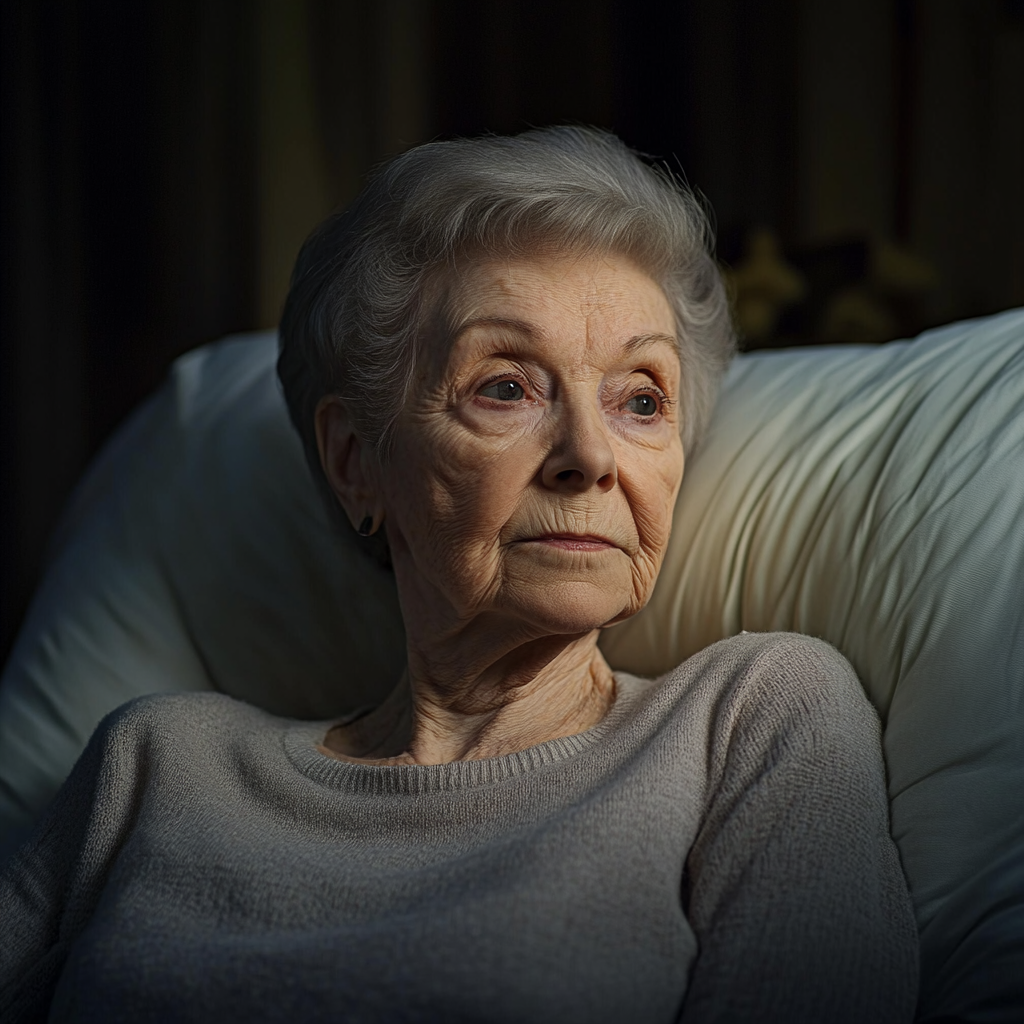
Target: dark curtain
(128,235)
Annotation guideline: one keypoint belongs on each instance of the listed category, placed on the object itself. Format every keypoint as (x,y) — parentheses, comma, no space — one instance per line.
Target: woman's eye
(504,391)
(643,405)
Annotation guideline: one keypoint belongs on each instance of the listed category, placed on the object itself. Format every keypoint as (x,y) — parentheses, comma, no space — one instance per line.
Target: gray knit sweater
(715,850)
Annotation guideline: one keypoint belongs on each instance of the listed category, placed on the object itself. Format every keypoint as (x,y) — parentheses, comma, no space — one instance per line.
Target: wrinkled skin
(527,501)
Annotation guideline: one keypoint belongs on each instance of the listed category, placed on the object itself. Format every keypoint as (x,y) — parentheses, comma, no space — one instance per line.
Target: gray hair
(358,297)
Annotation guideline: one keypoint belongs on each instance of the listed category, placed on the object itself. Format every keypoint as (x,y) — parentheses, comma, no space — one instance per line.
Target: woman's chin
(572,607)
(573,595)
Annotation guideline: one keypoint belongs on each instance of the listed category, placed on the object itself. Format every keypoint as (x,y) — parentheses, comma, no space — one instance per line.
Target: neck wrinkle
(543,690)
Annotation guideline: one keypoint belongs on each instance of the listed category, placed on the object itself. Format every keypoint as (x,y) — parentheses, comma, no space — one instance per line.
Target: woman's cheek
(652,483)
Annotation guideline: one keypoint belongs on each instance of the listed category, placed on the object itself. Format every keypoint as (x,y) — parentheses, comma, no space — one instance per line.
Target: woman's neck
(452,706)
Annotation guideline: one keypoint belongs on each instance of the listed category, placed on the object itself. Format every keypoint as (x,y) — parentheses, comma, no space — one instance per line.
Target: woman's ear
(348,464)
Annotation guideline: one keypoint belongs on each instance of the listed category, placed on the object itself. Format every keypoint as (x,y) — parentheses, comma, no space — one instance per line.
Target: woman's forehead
(530,299)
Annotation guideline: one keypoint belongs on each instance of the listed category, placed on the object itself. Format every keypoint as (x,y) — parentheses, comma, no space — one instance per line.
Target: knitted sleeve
(794,886)
(49,889)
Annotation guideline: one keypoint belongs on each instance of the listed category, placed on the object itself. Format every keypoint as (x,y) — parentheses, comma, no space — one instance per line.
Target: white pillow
(874,497)
(195,555)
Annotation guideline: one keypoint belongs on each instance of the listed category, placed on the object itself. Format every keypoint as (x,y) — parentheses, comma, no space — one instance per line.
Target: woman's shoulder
(166,745)
(779,651)
(761,705)
(795,661)
(180,712)
(786,679)
(185,726)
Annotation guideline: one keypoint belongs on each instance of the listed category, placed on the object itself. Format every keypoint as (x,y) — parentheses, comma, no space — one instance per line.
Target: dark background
(163,161)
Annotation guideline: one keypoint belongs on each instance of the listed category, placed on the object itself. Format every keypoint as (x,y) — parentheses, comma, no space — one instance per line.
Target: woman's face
(536,463)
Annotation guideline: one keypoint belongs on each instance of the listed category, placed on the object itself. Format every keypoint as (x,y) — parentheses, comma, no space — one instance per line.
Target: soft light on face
(536,463)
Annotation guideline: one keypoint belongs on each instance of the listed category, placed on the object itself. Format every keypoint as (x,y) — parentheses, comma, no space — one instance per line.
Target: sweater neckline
(302,738)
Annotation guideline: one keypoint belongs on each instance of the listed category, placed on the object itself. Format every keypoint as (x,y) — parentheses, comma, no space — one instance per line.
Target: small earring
(365,527)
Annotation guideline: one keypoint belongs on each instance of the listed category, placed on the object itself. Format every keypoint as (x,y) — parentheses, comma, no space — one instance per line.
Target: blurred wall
(163,161)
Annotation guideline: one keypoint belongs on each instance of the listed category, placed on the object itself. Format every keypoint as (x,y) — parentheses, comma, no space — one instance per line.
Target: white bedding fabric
(870,496)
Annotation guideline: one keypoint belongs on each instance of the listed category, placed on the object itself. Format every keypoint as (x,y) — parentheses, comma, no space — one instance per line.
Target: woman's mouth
(574,541)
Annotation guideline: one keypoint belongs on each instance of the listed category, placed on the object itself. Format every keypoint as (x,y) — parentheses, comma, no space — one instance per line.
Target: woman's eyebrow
(507,323)
(642,340)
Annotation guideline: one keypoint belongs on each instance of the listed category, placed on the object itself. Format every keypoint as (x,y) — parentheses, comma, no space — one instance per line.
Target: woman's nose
(581,456)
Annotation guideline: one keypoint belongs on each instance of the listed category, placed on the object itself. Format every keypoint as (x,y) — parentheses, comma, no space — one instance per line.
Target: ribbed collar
(301,740)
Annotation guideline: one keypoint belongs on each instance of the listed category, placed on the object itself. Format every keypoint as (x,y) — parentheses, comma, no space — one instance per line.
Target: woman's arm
(49,889)
(794,886)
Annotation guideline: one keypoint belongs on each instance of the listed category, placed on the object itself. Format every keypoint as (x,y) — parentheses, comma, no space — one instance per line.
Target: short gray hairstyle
(359,292)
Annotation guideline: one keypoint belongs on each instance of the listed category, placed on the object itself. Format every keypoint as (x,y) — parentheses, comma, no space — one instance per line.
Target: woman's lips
(574,542)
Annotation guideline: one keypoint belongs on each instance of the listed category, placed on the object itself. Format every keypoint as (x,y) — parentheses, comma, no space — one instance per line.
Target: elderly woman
(497,360)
